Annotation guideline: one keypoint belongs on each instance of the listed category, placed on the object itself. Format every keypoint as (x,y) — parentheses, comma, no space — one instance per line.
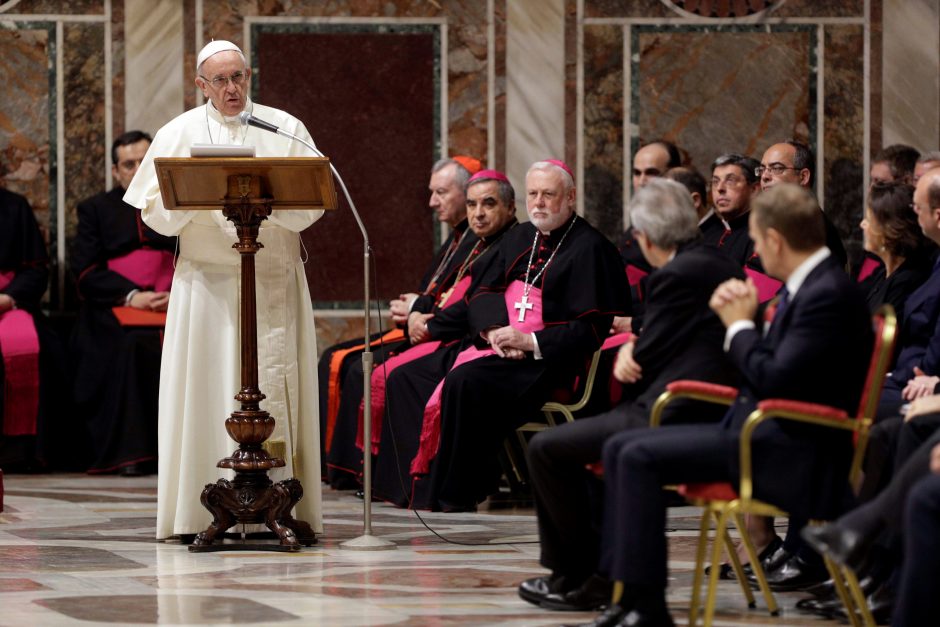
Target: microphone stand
(367,541)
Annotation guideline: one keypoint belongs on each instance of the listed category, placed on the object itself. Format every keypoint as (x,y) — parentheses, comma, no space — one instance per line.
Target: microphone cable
(368,445)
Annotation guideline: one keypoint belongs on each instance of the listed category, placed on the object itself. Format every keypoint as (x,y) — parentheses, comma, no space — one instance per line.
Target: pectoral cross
(522,306)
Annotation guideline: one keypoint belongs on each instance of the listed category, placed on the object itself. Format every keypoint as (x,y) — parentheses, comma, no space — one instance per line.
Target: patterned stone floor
(79,550)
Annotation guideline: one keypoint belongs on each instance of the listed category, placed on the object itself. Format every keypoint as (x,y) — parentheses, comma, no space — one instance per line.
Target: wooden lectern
(246,190)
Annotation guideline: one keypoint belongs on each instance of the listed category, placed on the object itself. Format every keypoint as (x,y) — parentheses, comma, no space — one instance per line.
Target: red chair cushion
(701,387)
(708,491)
(824,411)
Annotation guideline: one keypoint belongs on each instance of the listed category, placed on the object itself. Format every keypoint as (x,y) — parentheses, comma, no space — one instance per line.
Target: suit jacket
(682,338)
(920,332)
(816,350)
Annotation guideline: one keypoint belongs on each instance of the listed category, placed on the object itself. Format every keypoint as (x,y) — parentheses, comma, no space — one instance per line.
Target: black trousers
(885,512)
(918,601)
(567,494)
(637,464)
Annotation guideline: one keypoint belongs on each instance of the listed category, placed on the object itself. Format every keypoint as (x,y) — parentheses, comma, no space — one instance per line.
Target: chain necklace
(222,124)
(524,305)
(469,261)
(451,251)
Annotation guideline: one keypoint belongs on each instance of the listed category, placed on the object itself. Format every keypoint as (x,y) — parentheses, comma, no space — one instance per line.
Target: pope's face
(224,79)
(548,204)
(486,213)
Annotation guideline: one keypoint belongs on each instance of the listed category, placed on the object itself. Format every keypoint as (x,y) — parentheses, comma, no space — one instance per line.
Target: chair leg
(858,596)
(699,565)
(511,456)
(711,594)
(769,598)
(838,580)
(736,564)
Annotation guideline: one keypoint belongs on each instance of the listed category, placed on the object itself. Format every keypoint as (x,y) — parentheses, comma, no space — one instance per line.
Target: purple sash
(383,370)
(431,427)
(19,345)
(150,269)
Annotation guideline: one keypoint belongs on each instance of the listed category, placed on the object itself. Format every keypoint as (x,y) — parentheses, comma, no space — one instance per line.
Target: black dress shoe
(610,618)
(536,589)
(594,594)
(796,574)
(770,564)
(727,571)
(639,618)
(827,603)
(880,604)
(844,546)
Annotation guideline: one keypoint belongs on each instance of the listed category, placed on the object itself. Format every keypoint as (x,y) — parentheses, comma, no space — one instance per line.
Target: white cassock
(200,372)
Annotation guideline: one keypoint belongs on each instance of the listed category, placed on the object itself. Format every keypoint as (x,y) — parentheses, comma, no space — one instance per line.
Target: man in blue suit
(816,349)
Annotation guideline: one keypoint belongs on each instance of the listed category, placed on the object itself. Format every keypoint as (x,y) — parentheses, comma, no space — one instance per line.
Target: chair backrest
(885,325)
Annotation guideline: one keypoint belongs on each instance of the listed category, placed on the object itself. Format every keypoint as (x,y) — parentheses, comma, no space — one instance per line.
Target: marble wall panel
(27,126)
(57,7)
(687,88)
(911,81)
(378,125)
(84,82)
(156,76)
(843,133)
(467,133)
(634,8)
(118,73)
(535,77)
(723,8)
(603,128)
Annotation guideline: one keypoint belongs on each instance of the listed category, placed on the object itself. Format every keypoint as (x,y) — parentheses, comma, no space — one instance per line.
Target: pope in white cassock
(200,372)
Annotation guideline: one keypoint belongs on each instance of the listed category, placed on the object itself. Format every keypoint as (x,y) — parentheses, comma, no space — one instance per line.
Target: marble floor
(79,550)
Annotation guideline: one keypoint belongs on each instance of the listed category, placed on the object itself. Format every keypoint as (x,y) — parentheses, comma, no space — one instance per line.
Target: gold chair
(567,411)
(723,502)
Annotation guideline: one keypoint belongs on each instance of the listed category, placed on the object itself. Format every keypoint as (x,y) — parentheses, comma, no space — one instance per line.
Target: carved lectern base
(252,498)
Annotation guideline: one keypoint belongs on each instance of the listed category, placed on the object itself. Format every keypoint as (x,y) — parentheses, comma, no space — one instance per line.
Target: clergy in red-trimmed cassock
(340,366)
(544,307)
(31,355)
(408,379)
(123,272)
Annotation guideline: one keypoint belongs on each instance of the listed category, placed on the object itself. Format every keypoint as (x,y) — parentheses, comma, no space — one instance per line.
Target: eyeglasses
(237,79)
(775,168)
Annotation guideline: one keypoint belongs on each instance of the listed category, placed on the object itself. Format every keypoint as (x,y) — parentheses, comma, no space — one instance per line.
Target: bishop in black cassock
(545,307)
(31,367)
(340,366)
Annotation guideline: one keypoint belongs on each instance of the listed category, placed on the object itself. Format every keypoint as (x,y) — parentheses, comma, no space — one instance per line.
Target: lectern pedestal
(251,186)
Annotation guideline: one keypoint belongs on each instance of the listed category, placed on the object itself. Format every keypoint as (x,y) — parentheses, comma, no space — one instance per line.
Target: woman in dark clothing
(892,233)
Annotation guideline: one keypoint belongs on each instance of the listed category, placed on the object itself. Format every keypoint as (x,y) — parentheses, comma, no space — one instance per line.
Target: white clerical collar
(796,278)
(225,119)
(705,217)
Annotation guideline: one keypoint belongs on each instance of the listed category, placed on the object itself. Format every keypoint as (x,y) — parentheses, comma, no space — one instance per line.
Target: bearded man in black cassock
(545,307)
(122,268)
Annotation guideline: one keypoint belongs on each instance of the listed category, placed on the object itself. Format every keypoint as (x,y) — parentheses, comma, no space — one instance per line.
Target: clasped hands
(400,307)
(6,303)
(509,342)
(734,300)
(921,385)
(152,301)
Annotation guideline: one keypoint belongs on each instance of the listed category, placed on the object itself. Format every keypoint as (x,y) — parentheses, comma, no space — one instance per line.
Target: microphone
(246,118)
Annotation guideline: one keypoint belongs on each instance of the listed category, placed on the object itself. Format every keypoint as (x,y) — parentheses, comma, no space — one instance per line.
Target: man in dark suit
(869,537)
(816,349)
(681,338)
